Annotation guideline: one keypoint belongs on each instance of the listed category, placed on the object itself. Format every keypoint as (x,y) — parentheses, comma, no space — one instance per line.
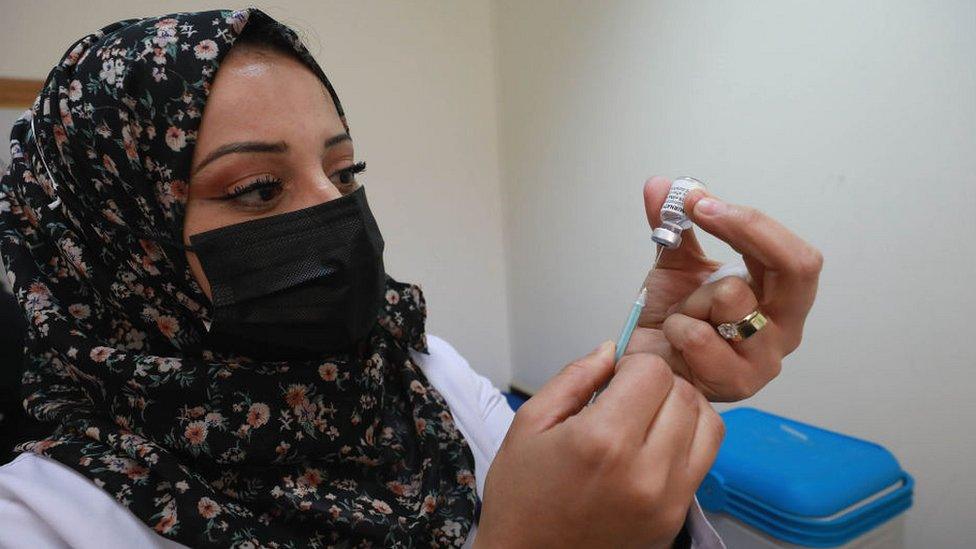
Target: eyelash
(268,182)
(358,167)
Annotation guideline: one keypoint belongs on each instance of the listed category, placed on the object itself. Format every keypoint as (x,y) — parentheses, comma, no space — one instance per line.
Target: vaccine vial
(673,216)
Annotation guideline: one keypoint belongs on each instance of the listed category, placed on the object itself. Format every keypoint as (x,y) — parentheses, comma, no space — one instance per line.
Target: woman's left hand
(680,318)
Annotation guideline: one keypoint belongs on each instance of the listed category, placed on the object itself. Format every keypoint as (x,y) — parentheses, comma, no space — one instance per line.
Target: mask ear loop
(57,201)
(40,153)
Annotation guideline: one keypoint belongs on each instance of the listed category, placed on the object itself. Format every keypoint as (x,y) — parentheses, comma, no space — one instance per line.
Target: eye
(347,176)
(256,195)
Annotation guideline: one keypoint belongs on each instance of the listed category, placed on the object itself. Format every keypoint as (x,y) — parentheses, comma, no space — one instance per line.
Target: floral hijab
(209,449)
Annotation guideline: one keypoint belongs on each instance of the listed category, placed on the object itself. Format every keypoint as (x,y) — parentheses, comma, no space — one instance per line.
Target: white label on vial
(673,209)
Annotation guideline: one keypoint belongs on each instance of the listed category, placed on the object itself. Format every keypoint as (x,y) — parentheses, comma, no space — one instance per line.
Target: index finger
(756,235)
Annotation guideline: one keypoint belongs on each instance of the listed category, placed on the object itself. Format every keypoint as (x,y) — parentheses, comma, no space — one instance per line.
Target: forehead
(266,94)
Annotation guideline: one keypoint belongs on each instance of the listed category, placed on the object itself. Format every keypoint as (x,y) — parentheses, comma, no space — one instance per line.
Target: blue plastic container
(802,484)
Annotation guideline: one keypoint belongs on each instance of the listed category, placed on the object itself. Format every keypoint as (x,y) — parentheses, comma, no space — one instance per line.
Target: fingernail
(709,207)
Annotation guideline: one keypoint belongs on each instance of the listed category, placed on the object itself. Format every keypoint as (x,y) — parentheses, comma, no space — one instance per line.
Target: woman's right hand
(618,473)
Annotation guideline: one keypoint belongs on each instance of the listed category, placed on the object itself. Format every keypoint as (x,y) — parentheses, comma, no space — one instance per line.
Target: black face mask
(299,284)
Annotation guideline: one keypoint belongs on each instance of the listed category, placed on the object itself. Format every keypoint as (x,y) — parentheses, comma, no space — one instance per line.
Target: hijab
(205,446)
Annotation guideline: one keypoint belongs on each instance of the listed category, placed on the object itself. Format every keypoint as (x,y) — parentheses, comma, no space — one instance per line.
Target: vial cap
(666,238)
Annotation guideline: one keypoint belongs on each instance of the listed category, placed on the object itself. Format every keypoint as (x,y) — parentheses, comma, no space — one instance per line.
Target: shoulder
(451,374)
(447,370)
(44,503)
(479,409)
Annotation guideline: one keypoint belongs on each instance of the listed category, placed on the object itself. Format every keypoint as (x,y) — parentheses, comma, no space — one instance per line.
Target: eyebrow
(260,147)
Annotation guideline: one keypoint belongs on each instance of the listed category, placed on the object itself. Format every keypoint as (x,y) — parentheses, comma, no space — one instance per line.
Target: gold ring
(743,329)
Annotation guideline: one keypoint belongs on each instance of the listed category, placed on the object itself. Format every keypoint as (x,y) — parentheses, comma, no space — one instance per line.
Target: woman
(212,330)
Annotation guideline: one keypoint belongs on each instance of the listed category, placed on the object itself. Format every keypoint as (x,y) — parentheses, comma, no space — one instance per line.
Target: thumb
(569,391)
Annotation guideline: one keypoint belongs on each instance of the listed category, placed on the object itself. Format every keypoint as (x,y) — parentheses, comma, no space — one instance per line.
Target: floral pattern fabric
(205,447)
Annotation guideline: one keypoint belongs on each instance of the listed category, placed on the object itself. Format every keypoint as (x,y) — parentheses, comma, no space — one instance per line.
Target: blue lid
(801,483)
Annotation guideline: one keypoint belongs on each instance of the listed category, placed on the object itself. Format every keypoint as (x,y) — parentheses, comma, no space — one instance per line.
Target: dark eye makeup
(267,187)
(347,175)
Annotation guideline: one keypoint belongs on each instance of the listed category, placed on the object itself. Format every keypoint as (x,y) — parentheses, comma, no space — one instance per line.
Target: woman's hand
(618,473)
(679,320)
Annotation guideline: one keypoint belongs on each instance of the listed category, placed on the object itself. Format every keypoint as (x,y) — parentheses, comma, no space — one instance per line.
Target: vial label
(673,210)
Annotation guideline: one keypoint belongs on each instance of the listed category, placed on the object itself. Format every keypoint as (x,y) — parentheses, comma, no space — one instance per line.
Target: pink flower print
(72,57)
(311,477)
(74,90)
(65,111)
(175,138)
(213,418)
(382,506)
(167,325)
(112,216)
(73,253)
(205,50)
(329,371)
(159,57)
(397,488)
(169,22)
(38,296)
(178,189)
(295,395)
(258,414)
(392,297)
(135,471)
(429,505)
(165,524)
(196,432)
(43,445)
(208,508)
(60,137)
(129,143)
(465,478)
(109,164)
(101,354)
(79,310)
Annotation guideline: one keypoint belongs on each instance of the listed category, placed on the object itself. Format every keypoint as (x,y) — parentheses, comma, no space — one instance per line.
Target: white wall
(417,81)
(853,122)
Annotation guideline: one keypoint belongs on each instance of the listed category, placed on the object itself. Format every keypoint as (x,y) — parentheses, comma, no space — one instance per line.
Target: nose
(315,189)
